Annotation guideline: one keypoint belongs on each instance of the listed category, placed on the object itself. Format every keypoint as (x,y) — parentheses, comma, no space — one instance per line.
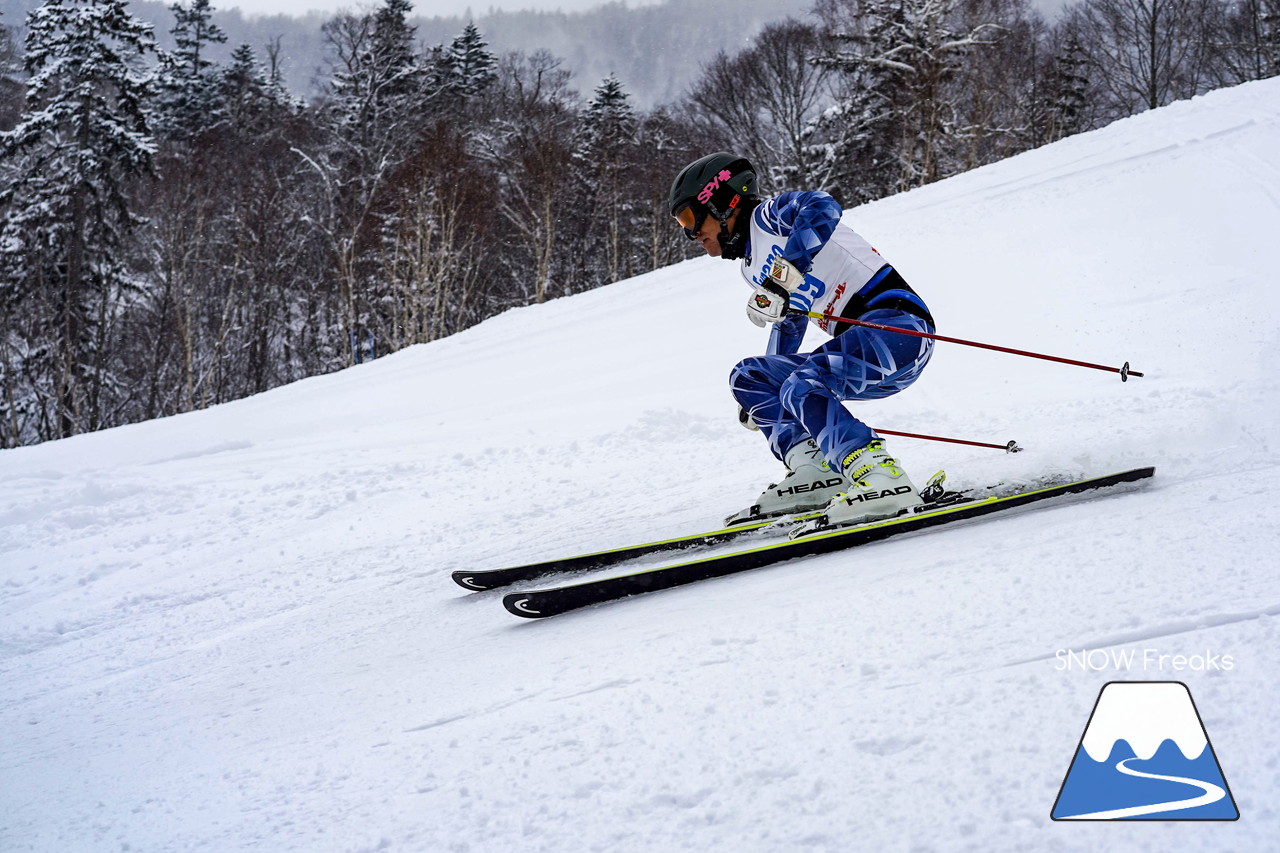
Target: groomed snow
(235,630)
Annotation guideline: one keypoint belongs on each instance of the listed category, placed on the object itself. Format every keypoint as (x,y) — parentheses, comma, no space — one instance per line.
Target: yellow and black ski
(550,602)
(494,578)
(768,528)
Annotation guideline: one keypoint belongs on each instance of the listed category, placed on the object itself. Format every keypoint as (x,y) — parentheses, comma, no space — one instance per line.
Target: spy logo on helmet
(709,190)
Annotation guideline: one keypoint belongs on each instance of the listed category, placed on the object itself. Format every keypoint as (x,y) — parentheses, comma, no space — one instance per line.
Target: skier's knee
(799,385)
(748,374)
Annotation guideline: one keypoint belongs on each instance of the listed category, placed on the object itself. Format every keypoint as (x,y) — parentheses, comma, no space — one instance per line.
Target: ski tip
(520,604)
(467,580)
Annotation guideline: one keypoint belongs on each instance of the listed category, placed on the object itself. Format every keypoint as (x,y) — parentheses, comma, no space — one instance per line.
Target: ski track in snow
(234,630)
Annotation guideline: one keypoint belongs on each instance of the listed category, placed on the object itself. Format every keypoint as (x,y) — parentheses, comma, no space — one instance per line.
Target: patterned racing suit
(792,396)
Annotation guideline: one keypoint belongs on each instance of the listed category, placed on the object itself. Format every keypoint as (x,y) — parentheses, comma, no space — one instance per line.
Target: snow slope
(235,630)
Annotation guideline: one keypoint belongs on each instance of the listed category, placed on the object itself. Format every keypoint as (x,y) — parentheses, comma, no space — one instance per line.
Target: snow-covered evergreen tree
(603,157)
(466,67)
(376,79)
(10,88)
(189,100)
(67,210)
(1068,90)
(377,107)
(253,96)
(864,129)
(393,48)
(896,128)
(609,120)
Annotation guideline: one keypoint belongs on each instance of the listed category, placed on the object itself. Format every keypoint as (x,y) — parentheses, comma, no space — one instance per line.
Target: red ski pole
(1011,447)
(1124,372)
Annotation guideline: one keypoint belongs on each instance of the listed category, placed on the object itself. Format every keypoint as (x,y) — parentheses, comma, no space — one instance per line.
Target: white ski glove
(768,304)
(769,301)
(744,418)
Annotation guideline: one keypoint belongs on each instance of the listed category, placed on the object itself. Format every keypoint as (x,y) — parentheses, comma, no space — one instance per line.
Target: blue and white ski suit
(792,396)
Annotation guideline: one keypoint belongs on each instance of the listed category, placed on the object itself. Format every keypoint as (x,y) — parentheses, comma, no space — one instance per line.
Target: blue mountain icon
(1145,755)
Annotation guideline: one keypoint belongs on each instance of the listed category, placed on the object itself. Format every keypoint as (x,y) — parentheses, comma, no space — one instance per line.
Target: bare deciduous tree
(528,152)
(766,98)
(1145,53)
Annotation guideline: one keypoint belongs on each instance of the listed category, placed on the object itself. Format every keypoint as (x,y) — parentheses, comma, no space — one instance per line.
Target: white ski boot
(810,484)
(880,489)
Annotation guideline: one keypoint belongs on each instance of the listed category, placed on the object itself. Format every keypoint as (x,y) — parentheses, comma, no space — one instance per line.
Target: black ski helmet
(714,185)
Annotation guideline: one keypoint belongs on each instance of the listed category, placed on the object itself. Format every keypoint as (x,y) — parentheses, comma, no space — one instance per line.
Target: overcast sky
(421,7)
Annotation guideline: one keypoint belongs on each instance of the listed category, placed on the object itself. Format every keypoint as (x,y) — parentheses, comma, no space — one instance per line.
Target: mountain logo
(1145,755)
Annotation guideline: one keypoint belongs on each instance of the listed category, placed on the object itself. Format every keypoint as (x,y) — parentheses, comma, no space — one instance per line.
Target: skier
(798,256)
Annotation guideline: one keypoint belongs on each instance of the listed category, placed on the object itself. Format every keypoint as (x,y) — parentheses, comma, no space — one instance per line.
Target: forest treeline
(177,232)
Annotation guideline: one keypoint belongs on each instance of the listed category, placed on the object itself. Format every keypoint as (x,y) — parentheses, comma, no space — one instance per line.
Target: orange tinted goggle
(690,219)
